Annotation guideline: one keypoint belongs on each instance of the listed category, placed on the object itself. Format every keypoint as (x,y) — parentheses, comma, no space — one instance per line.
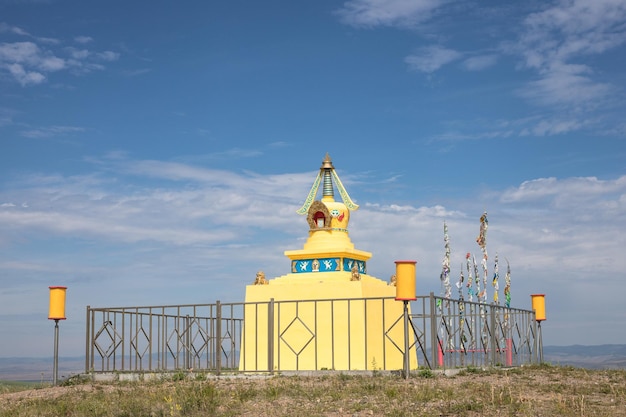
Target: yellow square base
(323,322)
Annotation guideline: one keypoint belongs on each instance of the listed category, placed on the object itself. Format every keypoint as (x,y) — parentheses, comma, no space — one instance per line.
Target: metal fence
(208,337)
(474,334)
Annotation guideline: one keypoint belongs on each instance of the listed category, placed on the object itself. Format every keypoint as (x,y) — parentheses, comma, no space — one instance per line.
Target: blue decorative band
(327,265)
(348,264)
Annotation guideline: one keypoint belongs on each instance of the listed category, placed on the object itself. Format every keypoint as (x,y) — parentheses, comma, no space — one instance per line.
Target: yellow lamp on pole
(56,312)
(405,281)
(405,292)
(539,307)
(57,303)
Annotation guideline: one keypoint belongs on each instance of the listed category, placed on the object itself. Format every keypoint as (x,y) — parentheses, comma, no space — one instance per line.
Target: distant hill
(39,369)
(580,356)
(590,357)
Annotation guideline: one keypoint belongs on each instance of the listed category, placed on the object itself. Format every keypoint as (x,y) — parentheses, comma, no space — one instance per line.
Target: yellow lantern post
(56,312)
(405,291)
(539,307)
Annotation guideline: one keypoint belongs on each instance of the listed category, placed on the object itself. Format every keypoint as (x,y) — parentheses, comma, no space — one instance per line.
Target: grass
(530,391)
(16,386)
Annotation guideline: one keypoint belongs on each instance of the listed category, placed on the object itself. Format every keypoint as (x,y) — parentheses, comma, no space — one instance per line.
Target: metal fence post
(92,340)
(433,329)
(540,341)
(87,341)
(218,337)
(492,324)
(187,341)
(270,336)
(535,344)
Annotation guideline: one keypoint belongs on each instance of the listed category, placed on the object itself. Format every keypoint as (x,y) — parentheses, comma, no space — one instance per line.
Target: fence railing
(467,333)
(446,333)
(162,338)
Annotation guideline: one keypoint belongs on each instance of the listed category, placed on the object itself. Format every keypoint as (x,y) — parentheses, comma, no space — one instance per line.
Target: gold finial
(260,279)
(327,163)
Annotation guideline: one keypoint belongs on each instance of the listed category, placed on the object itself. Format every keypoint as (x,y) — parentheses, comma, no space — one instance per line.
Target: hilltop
(535,390)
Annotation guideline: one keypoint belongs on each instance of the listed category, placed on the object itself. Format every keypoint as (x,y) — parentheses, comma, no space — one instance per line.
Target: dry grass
(530,391)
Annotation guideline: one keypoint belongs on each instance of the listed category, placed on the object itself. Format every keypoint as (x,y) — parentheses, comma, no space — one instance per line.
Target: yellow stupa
(351,334)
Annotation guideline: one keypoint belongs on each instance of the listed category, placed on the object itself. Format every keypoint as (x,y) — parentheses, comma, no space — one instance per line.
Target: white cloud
(78,54)
(583,188)
(478,63)
(431,58)
(549,127)
(30,64)
(20,52)
(51,131)
(87,206)
(539,126)
(74,224)
(586,27)
(4,27)
(565,85)
(136,72)
(52,63)
(108,55)
(25,77)
(83,39)
(6,116)
(403,13)
(27,62)
(570,30)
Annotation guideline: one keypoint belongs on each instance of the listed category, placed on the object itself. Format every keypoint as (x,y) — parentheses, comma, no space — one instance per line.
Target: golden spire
(327,173)
(327,163)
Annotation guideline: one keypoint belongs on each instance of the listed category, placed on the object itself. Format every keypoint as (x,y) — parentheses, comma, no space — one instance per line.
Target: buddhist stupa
(327,267)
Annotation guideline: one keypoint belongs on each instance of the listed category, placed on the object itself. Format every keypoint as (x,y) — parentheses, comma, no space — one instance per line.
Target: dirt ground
(536,392)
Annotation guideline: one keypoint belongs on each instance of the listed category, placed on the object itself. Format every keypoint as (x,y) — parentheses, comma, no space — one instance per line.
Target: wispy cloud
(51,131)
(569,191)
(83,39)
(402,13)
(431,58)
(89,206)
(481,62)
(557,41)
(556,47)
(538,126)
(108,55)
(565,85)
(18,57)
(136,72)
(31,62)
(554,126)
(74,224)
(5,27)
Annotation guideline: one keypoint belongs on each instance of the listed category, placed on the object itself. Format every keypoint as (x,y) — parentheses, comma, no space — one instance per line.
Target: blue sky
(155,152)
